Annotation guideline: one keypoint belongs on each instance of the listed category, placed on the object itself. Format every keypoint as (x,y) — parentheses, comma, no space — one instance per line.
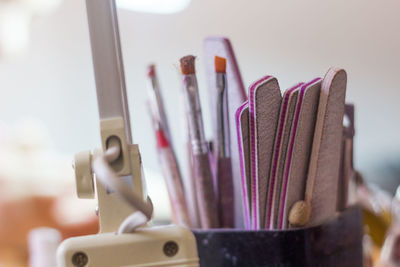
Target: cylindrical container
(336,243)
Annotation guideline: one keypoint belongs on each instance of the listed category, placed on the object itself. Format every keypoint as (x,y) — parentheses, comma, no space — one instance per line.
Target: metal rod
(107,62)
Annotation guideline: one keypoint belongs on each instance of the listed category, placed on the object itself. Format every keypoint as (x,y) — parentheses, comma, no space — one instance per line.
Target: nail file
(243,133)
(323,173)
(287,110)
(264,104)
(299,149)
(221,46)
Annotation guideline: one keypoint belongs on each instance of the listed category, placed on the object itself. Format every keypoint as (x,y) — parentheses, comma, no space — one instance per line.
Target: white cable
(113,151)
(108,178)
(132,222)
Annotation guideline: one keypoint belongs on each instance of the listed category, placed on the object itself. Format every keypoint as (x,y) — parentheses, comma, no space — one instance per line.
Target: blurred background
(48,103)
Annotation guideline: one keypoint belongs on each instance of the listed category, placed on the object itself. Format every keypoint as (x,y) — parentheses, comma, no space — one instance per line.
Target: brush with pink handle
(166,155)
(201,165)
(224,165)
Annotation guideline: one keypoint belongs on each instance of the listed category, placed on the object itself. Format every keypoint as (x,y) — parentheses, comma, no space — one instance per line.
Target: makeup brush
(155,94)
(166,155)
(173,180)
(223,153)
(202,172)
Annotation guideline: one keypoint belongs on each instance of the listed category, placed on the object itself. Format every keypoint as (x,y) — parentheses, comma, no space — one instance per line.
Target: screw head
(80,259)
(171,248)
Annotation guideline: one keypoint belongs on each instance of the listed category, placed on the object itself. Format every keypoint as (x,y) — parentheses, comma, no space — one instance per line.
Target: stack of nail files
(290,151)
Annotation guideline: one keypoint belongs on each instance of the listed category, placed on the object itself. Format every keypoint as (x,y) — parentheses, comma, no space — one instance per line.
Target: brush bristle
(151,71)
(187,65)
(220,64)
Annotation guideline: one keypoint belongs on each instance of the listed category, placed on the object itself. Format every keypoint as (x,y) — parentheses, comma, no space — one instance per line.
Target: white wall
(293,40)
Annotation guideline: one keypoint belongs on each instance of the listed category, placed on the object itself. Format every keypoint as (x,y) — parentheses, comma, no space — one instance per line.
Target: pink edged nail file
(243,133)
(299,149)
(323,173)
(221,46)
(264,103)
(286,114)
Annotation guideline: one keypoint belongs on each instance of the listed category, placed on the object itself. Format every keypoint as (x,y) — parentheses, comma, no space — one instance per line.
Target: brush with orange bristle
(203,180)
(223,153)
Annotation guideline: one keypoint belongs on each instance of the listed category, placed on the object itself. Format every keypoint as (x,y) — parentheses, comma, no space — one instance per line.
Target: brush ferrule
(223,136)
(221,82)
(199,148)
(195,120)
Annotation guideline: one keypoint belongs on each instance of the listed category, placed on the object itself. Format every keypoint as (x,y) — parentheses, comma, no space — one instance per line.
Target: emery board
(299,149)
(323,173)
(287,110)
(243,133)
(264,104)
(221,46)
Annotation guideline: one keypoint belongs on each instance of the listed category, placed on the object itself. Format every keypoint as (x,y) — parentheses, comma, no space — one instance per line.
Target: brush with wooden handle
(203,177)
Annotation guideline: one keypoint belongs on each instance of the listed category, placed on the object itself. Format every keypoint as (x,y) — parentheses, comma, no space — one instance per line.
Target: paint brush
(173,179)
(166,155)
(201,164)
(223,153)
(155,94)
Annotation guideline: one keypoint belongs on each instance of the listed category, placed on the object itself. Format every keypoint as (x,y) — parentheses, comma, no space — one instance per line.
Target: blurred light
(40,7)
(15,21)
(14,31)
(154,6)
